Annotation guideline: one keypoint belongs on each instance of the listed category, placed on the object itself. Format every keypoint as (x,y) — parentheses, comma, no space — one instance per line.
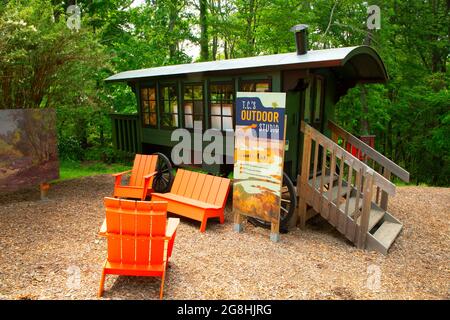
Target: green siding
(158,137)
(329,105)
(129,133)
(125,130)
(161,136)
(292,130)
(330,114)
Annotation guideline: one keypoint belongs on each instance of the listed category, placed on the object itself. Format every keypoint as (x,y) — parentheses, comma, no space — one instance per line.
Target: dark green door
(312,110)
(292,133)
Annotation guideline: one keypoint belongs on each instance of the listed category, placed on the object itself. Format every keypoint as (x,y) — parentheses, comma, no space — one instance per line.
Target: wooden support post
(384,195)
(44,187)
(334,137)
(275,231)
(367,203)
(238,220)
(306,161)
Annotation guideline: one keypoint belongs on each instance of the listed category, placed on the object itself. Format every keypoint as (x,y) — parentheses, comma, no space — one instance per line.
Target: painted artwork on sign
(259,154)
(28,148)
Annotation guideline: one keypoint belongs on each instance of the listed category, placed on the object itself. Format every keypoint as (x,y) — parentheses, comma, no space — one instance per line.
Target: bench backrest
(135,231)
(203,187)
(143,165)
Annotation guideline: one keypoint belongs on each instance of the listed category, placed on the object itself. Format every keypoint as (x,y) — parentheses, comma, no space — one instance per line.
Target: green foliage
(108,155)
(409,115)
(44,64)
(75,169)
(70,148)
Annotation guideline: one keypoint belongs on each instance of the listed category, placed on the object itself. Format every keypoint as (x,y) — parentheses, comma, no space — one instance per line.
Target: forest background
(44,64)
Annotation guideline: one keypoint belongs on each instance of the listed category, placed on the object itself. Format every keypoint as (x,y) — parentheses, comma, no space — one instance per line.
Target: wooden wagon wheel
(288,205)
(164,178)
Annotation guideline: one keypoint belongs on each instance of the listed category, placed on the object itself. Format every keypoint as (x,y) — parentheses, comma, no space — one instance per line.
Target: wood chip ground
(50,250)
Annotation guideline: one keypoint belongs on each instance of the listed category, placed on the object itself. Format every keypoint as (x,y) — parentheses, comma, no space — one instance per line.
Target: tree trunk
(250,36)
(172,20)
(364,125)
(225,49)
(214,47)
(204,50)
(82,133)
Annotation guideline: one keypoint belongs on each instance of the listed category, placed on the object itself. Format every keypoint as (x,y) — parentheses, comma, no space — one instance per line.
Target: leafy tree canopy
(44,64)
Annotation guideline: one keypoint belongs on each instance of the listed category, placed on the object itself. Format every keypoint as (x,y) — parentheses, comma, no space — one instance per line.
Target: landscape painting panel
(28,148)
(257,183)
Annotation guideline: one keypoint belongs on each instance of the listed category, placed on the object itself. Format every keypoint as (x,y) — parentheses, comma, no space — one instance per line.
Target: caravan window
(148,106)
(256,85)
(221,101)
(168,106)
(192,104)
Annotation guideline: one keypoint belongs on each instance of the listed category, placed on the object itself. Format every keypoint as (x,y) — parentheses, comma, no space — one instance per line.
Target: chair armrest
(150,175)
(120,173)
(172,224)
(102,231)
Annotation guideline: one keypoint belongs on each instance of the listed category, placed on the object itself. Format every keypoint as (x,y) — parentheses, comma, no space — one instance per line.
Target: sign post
(259,158)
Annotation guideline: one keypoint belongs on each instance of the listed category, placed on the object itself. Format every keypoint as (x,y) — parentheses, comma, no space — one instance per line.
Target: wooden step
(326,180)
(383,238)
(351,205)
(375,215)
(334,192)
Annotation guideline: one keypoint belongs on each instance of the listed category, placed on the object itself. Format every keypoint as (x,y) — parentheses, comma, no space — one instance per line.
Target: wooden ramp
(347,192)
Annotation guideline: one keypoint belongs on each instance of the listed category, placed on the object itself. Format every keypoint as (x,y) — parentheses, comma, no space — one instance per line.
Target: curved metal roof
(361,63)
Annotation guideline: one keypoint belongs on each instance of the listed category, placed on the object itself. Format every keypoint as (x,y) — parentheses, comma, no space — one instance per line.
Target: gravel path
(50,250)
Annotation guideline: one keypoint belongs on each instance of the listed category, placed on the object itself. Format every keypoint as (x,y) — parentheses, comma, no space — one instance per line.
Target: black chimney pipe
(301,38)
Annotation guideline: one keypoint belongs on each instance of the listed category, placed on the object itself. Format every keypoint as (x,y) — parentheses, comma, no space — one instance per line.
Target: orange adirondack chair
(197,196)
(140,242)
(140,185)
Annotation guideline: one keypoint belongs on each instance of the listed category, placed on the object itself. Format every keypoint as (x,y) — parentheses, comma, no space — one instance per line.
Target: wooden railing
(372,158)
(347,201)
(126,133)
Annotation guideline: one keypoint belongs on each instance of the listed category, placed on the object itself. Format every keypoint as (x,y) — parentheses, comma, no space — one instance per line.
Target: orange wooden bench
(140,239)
(197,196)
(140,185)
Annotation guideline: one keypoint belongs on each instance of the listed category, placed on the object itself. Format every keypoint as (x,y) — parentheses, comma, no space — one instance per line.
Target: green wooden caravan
(175,96)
